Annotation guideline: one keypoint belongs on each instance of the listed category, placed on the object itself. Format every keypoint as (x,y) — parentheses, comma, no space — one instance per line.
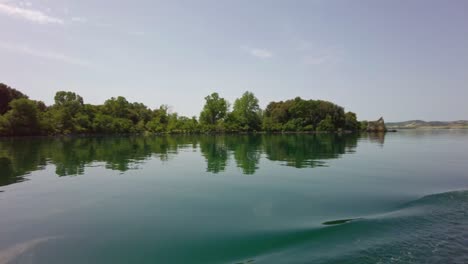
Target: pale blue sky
(398,59)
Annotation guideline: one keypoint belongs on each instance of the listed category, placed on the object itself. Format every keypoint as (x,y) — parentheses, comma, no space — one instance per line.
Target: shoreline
(201,134)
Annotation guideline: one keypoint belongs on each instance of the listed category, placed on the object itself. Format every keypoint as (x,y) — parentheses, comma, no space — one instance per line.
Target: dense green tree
(140,114)
(174,124)
(120,116)
(215,109)
(246,112)
(117,107)
(159,120)
(65,113)
(351,122)
(8,94)
(326,124)
(103,123)
(182,124)
(190,125)
(22,119)
(63,98)
(278,112)
(303,115)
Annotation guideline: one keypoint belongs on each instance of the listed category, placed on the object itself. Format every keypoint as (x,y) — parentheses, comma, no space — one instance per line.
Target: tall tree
(247,112)
(215,109)
(63,98)
(117,107)
(65,112)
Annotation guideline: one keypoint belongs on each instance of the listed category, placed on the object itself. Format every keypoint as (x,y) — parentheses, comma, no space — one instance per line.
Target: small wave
(339,222)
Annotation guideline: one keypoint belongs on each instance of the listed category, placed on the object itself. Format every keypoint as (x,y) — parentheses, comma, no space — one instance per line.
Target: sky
(398,59)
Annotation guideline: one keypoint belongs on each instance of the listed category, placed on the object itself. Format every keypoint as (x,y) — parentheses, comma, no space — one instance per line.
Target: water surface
(394,198)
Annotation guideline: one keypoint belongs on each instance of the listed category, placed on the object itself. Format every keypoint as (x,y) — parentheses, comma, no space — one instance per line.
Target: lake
(372,198)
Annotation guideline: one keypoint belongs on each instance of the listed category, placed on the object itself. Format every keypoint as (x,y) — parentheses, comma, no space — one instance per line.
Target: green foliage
(8,94)
(363,125)
(155,126)
(303,115)
(4,126)
(117,107)
(65,113)
(214,111)
(246,113)
(326,124)
(70,115)
(292,125)
(63,98)
(103,123)
(270,125)
(22,119)
(159,120)
(308,128)
(351,122)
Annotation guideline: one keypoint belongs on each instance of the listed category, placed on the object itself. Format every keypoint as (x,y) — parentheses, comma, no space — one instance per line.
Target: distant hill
(412,124)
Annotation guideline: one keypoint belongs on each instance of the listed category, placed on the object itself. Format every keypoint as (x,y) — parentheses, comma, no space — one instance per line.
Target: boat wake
(433,229)
(10,254)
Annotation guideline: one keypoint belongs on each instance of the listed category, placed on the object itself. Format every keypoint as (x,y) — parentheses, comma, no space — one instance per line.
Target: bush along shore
(69,115)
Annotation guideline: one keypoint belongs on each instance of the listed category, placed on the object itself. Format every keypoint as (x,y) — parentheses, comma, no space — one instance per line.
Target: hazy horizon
(403,60)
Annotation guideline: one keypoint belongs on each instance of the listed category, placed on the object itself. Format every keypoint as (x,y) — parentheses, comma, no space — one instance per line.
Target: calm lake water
(398,198)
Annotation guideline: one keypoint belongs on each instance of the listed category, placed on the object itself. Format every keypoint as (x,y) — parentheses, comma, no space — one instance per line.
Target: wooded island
(21,116)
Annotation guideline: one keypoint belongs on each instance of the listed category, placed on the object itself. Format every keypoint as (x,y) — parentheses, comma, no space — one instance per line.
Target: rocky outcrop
(376,126)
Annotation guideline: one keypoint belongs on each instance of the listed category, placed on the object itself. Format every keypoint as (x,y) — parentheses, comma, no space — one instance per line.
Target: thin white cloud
(32,15)
(316,60)
(313,53)
(21,3)
(320,56)
(23,49)
(259,53)
(79,19)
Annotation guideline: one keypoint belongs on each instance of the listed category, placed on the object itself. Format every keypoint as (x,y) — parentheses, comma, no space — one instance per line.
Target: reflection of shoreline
(302,151)
(429,128)
(72,155)
(376,137)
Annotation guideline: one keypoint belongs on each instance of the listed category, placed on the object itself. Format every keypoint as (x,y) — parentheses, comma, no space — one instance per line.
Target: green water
(398,198)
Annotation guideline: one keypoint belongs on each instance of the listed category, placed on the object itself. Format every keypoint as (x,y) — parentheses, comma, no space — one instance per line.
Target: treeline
(21,116)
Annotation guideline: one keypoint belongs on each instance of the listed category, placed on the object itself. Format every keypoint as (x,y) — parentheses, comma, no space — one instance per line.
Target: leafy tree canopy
(215,109)
(70,115)
(8,94)
(247,112)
